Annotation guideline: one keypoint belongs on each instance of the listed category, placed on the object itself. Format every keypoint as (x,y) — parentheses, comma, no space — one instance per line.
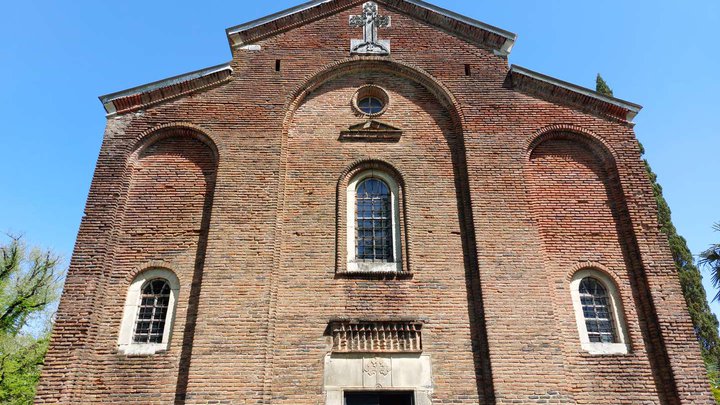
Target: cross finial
(370,20)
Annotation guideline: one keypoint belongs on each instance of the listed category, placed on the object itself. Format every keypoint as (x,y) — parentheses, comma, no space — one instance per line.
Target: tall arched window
(373,223)
(598,313)
(149,312)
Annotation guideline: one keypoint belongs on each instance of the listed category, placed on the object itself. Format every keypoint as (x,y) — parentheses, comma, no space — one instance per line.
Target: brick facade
(235,181)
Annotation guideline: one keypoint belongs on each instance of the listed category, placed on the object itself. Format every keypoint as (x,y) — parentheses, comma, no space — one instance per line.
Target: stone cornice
(149,94)
(556,90)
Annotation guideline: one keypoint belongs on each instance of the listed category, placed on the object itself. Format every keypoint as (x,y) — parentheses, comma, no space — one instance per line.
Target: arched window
(153,311)
(149,312)
(373,223)
(598,312)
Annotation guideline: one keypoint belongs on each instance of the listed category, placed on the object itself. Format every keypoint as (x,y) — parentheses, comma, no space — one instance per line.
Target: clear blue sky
(57,57)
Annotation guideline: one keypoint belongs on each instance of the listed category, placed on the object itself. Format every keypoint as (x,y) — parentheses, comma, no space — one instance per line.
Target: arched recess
(579,205)
(393,67)
(447,109)
(167,206)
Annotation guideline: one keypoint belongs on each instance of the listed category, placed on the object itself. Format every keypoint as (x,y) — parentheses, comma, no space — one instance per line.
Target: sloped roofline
(510,37)
(111,101)
(630,110)
(521,78)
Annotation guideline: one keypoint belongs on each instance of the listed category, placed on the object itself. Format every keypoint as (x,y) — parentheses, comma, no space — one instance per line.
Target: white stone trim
(353,265)
(616,310)
(377,373)
(132,305)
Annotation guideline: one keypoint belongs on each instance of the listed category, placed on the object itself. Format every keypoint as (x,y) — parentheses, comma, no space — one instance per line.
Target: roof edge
(631,108)
(275,16)
(107,100)
(510,37)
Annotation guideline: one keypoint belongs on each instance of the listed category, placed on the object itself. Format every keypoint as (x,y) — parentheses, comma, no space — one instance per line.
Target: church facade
(369,206)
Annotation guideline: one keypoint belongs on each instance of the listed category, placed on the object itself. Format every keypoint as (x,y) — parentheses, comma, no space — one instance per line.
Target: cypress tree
(704,321)
(602,87)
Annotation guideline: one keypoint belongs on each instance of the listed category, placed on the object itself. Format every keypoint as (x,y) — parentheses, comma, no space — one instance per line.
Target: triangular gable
(477,32)
(485,35)
(372,131)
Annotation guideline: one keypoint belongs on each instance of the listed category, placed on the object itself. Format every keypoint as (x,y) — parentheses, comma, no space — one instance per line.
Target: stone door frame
(370,372)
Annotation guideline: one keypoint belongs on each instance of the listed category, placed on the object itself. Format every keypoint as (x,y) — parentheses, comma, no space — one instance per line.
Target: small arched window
(598,313)
(596,310)
(153,311)
(149,312)
(373,223)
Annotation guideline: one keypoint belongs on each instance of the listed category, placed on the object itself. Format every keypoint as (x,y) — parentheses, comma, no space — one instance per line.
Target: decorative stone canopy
(372,131)
(376,336)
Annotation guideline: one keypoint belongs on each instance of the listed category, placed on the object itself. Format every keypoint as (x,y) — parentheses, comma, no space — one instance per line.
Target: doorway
(379,398)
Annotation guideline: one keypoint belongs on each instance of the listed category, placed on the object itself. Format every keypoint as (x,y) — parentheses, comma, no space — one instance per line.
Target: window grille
(376,337)
(373,221)
(597,312)
(152,314)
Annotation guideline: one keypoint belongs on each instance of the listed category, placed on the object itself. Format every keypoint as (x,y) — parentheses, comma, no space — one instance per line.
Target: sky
(56,58)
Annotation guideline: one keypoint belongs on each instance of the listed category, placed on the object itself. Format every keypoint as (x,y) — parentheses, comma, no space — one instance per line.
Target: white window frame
(126,345)
(616,311)
(354,265)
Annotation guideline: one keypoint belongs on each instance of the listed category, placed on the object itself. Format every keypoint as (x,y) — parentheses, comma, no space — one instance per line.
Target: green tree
(704,321)
(714,375)
(602,87)
(30,284)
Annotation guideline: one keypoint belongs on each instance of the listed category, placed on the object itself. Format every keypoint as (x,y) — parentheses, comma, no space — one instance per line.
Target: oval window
(370,100)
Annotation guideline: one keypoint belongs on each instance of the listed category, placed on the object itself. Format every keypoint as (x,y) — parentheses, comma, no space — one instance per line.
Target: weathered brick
(237,185)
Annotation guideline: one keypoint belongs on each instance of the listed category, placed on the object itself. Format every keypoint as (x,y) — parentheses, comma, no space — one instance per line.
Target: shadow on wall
(571,172)
(185,157)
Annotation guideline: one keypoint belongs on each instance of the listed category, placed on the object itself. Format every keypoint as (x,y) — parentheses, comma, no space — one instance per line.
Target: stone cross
(370,20)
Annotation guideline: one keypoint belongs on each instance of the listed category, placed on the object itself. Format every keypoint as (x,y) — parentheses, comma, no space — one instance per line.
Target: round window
(370,101)
(371,105)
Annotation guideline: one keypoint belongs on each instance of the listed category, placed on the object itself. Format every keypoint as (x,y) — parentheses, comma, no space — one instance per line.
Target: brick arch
(163,222)
(592,265)
(160,132)
(150,265)
(569,131)
(348,65)
(579,205)
(368,164)
(448,115)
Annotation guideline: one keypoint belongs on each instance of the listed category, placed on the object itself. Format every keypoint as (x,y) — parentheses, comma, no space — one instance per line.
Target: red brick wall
(574,201)
(490,268)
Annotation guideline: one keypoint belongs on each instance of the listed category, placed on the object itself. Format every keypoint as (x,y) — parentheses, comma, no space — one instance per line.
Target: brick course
(238,187)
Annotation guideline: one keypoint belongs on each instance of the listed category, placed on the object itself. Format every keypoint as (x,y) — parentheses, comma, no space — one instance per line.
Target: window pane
(596,309)
(371,105)
(152,313)
(373,221)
